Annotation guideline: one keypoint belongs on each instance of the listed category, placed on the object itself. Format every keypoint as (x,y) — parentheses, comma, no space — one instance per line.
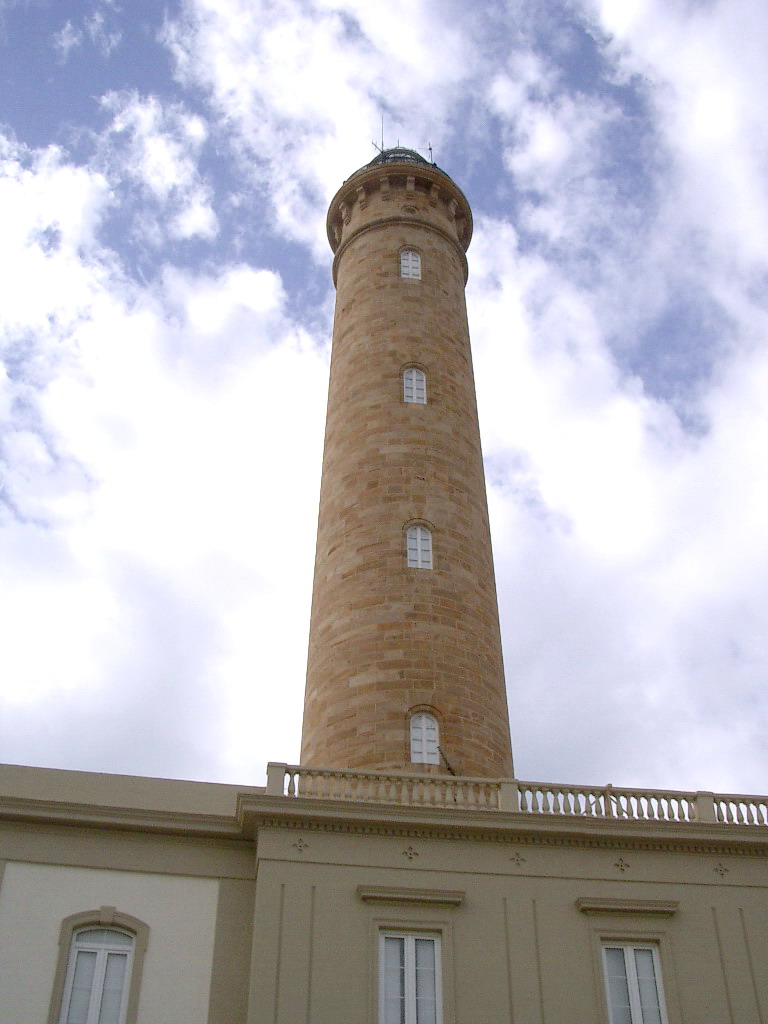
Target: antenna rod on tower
(375,145)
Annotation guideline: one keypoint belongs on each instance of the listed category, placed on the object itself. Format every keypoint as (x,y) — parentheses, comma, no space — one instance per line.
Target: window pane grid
(415,386)
(633,985)
(424,739)
(82,987)
(419,547)
(394,980)
(409,980)
(96,986)
(112,991)
(410,265)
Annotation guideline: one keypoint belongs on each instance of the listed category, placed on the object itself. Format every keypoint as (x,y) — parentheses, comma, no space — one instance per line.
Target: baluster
(399,790)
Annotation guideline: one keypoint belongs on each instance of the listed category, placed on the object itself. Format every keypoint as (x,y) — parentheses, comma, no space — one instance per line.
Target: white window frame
(410,977)
(636,1009)
(414,385)
(418,547)
(425,748)
(103,950)
(410,264)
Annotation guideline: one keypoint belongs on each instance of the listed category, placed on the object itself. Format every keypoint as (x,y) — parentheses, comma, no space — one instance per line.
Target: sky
(165,324)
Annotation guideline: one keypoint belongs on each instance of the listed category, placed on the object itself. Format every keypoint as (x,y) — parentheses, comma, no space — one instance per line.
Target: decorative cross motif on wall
(622,865)
(410,853)
(721,869)
(517,858)
(301,845)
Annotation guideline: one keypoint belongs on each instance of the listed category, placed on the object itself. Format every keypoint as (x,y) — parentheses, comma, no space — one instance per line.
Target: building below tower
(496,902)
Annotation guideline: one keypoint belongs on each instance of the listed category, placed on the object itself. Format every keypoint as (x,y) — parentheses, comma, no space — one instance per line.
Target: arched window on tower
(98,977)
(418,547)
(415,385)
(425,739)
(410,264)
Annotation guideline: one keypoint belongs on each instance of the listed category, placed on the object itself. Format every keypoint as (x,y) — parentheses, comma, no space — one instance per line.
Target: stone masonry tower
(405,669)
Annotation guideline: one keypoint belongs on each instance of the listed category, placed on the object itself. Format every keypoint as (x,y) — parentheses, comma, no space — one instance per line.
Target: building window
(409,979)
(418,543)
(410,264)
(633,985)
(425,739)
(98,976)
(415,386)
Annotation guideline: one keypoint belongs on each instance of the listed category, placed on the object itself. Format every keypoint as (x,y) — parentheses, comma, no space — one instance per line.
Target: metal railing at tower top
(515,796)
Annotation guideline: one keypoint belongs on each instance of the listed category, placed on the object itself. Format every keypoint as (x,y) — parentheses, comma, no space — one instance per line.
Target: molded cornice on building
(501,827)
(651,908)
(261,811)
(421,897)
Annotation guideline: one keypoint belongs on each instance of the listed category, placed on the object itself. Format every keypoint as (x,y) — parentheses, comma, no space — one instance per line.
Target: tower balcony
(515,796)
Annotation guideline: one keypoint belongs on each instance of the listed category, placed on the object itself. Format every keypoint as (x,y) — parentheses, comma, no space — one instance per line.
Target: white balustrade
(515,796)
(741,810)
(383,787)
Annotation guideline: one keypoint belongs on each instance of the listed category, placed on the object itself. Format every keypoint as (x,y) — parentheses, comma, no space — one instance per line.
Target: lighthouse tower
(405,668)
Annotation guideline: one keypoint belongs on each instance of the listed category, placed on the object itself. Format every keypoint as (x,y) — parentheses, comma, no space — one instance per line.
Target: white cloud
(158,146)
(162,441)
(161,475)
(303,87)
(707,67)
(632,558)
(97,27)
(66,40)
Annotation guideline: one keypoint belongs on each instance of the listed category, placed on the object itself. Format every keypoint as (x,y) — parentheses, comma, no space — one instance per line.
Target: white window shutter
(410,265)
(415,386)
(418,547)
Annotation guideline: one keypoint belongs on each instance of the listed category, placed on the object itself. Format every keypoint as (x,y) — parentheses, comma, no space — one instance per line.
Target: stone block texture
(385,639)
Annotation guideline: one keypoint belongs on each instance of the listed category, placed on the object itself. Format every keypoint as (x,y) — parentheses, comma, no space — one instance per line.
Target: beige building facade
(400,874)
(258,907)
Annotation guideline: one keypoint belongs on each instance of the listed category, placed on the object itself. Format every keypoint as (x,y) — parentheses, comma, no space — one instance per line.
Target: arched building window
(97,980)
(414,385)
(425,739)
(410,264)
(418,547)
(96,987)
